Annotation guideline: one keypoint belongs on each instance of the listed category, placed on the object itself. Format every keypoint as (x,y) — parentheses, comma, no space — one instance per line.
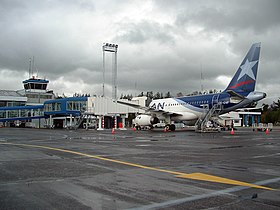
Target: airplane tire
(167,127)
(170,127)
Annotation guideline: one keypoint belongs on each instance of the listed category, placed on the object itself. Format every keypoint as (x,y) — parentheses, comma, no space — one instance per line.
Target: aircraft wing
(164,113)
(149,109)
(234,94)
(136,106)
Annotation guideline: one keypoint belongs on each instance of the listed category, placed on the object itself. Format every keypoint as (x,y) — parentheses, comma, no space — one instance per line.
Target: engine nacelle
(145,120)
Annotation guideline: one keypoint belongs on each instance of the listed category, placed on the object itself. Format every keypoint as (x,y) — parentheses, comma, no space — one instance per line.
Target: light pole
(113,48)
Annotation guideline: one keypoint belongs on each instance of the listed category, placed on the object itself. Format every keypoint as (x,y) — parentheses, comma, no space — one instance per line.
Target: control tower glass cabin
(36,91)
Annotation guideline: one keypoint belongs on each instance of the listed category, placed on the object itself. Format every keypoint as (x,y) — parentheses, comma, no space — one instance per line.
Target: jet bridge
(108,109)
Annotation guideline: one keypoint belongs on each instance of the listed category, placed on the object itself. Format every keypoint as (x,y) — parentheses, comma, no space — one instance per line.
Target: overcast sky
(163,45)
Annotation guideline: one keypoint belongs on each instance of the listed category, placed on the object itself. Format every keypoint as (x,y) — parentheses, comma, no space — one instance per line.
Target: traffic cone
(266,131)
(232,132)
(113,130)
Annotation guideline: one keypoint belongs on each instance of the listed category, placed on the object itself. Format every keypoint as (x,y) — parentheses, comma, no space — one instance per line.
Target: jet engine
(145,120)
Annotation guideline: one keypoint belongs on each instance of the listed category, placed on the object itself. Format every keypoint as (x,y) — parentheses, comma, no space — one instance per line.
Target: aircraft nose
(264,95)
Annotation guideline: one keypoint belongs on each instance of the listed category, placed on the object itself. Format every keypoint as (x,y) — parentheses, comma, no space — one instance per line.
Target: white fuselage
(183,110)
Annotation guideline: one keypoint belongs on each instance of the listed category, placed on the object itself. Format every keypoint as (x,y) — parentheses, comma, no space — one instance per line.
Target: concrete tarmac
(62,169)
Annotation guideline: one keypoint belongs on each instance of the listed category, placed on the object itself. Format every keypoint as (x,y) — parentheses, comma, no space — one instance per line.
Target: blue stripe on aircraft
(193,107)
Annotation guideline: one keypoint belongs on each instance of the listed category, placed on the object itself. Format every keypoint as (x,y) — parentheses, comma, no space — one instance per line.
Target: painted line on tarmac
(170,203)
(264,156)
(194,176)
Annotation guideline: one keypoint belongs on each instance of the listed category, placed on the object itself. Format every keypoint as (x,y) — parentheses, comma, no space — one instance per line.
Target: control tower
(35,89)
(35,85)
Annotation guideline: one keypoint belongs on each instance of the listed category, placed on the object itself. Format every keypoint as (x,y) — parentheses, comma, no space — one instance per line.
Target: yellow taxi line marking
(211,178)
(194,176)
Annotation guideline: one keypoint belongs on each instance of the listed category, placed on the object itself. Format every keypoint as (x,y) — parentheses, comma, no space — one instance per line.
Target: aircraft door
(215,99)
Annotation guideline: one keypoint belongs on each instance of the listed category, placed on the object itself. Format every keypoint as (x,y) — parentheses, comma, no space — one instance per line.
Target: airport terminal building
(36,106)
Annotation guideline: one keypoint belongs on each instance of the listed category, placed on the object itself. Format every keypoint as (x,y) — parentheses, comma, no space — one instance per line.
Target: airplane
(240,93)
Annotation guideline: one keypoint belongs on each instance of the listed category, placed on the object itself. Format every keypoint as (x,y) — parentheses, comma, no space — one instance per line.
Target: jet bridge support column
(123,122)
(70,124)
(245,120)
(87,123)
(51,122)
(123,117)
(100,122)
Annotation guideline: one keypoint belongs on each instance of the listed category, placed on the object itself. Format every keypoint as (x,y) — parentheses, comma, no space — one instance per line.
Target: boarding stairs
(79,122)
(218,120)
(213,114)
(84,117)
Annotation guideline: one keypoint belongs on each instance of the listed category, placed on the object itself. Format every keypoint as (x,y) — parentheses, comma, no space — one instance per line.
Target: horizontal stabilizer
(234,94)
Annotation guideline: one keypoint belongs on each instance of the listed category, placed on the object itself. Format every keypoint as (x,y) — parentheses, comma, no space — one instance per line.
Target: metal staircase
(200,124)
(218,120)
(79,122)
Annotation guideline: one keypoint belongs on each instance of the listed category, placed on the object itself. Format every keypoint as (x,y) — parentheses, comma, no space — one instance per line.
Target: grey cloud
(227,16)
(43,29)
(144,31)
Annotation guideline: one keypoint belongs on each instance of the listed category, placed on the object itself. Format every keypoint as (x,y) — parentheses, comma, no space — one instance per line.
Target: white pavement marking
(203,196)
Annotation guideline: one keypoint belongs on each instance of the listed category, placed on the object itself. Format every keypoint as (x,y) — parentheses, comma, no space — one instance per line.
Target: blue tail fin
(244,79)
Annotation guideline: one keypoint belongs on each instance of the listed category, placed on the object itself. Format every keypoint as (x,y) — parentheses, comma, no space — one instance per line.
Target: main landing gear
(170,127)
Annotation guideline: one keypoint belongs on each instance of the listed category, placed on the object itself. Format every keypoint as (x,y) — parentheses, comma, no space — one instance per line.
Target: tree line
(149,95)
(271,113)
(161,95)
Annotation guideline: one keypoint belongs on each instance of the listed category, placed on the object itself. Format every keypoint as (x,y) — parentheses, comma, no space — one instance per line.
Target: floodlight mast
(107,47)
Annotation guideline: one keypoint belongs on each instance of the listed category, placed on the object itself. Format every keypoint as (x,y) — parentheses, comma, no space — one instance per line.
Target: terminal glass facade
(21,113)
(11,103)
(3,114)
(37,86)
(76,105)
(42,96)
(56,106)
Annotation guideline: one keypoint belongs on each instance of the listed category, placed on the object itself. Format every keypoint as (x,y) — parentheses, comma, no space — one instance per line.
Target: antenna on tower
(33,64)
(29,70)
(201,78)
